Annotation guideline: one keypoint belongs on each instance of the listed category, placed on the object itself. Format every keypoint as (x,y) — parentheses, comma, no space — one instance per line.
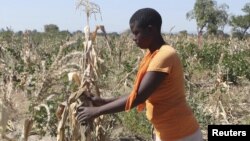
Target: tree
(241,23)
(208,15)
(51,28)
(7,34)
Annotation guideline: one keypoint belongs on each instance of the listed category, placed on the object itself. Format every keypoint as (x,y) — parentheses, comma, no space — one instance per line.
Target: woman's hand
(96,100)
(86,113)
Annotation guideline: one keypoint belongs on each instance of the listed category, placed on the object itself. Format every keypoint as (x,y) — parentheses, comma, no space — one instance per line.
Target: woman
(159,85)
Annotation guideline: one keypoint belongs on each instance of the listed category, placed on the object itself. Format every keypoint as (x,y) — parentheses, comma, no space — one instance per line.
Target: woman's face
(142,36)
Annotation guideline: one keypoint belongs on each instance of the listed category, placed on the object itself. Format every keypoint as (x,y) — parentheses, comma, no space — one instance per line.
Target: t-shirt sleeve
(163,61)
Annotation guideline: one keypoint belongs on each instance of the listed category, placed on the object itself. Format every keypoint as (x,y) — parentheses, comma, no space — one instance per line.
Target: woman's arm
(149,83)
(98,101)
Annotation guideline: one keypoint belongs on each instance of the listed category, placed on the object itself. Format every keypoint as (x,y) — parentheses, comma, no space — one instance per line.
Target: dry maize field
(46,75)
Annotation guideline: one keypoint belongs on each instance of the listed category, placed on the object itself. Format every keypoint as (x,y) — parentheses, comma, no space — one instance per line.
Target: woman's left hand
(85,113)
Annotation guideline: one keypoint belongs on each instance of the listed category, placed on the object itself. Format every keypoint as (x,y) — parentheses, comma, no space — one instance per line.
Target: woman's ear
(152,29)
(149,28)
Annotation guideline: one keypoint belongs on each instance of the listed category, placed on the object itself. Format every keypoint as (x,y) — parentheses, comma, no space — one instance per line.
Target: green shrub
(137,123)
(236,65)
(40,117)
(210,54)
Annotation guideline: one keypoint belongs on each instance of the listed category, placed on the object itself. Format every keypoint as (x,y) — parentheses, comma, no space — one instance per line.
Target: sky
(115,14)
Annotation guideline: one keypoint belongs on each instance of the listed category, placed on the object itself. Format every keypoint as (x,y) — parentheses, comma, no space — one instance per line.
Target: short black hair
(145,17)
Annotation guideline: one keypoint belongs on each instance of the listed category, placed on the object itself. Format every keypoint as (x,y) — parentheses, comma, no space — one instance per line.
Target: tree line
(212,18)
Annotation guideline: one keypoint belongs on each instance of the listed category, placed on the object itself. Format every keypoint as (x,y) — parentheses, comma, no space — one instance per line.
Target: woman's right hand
(96,100)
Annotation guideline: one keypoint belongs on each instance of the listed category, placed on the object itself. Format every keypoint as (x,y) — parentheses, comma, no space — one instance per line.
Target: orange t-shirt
(167,108)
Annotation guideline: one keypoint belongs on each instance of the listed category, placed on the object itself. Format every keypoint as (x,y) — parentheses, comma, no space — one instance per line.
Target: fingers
(80,108)
(84,114)
(81,117)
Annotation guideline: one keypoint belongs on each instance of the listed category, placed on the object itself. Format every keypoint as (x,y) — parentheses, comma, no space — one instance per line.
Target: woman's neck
(157,45)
